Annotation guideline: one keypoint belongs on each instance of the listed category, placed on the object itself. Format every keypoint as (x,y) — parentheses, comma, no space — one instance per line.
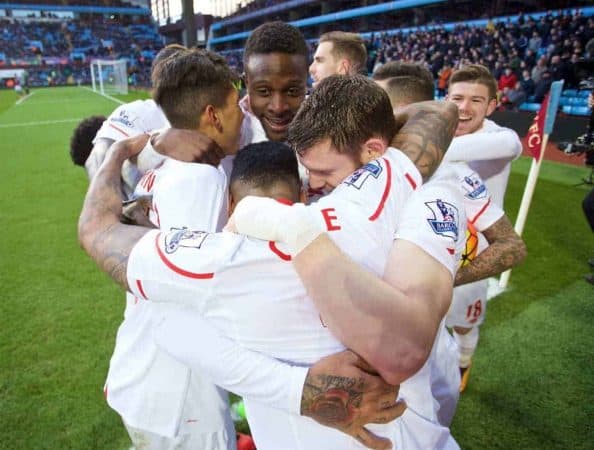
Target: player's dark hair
(165,53)
(264,164)
(476,73)
(350,46)
(185,83)
(275,37)
(347,109)
(81,141)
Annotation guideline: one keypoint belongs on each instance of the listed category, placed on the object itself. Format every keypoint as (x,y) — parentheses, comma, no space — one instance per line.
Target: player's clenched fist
(342,391)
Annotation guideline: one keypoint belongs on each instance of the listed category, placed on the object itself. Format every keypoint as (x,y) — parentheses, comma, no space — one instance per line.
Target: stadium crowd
(525,56)
(58,52)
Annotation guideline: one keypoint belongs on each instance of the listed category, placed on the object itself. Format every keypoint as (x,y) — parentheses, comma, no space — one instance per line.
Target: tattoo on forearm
(105,239)
(506,250)
(332,400)
(426,136)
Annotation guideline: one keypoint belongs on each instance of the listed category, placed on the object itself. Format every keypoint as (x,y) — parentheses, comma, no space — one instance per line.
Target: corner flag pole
(538,137)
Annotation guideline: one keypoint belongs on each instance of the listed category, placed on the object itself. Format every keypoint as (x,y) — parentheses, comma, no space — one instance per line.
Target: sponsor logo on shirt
(474,187)
(360,176)
(124,119)
(182,237)
(445,218)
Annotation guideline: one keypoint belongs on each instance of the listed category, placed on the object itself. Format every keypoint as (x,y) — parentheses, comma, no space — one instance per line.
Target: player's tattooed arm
(107,241)
(426,134)
(506,250)
(342,391)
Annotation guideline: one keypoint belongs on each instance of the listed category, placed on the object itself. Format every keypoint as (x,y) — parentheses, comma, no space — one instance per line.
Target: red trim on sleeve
(411,180)
(382,203)
(179,270)
(118,129)
(272,246)
(284,201)
(480,213)
(451,251)
(141,289)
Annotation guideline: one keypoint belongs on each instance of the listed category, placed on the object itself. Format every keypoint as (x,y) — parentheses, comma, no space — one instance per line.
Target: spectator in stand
(498,70)
(539,69)
(559,69)
(535,42)
(527,83)
(542,87)
(529,58)
(443,77)
(514,97)
(507,80)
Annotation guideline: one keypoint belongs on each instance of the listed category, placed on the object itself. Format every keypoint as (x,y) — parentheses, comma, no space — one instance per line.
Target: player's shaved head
(189,80)
(267,169)
(406,90)
(81,141)
(348,110)
(405,83)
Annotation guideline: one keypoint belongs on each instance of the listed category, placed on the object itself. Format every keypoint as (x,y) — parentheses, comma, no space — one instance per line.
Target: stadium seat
(565,101)
(583,93)
(569,93)
(533,107)
(580,111)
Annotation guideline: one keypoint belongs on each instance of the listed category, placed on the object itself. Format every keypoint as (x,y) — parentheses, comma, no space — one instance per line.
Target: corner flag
(544,121)
(537,139)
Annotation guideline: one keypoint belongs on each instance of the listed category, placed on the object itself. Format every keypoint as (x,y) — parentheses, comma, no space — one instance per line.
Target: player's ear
(213,118)
(231,205)
(373,148)
(491,106)
(343,67)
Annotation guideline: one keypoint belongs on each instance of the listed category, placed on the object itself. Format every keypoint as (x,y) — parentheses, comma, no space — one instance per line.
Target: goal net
(109,76)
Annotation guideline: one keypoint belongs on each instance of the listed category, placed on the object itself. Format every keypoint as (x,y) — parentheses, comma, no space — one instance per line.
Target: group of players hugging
(322,254)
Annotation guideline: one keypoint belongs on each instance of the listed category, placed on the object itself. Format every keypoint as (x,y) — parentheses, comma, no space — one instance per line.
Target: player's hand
(187,146)
(129,148)
(342,391)
(136,212)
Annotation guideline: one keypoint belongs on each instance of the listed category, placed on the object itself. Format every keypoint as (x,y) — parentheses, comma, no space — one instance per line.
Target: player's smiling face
(473,104)
(326,167)
(276,85)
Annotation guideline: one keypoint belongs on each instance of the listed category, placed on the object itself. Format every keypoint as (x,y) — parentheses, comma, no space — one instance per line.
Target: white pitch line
(22,99)
(109,97)
(33,124)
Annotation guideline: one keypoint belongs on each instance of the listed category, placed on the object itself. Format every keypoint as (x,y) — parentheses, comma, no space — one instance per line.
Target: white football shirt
(250,291)
(489,151)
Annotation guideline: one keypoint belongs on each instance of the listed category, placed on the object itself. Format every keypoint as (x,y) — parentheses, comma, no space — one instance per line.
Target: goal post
(109,76)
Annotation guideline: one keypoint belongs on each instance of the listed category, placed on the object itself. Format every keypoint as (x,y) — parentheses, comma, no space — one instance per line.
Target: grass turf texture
(532,379)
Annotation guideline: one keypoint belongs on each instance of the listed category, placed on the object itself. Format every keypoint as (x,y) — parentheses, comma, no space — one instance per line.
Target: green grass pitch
(531,386)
